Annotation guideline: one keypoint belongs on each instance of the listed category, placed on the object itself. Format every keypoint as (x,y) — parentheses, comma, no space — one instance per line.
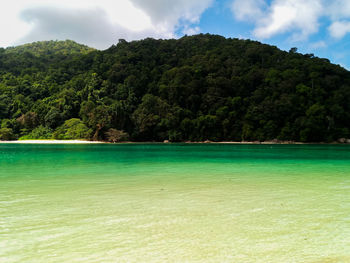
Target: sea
(174,203)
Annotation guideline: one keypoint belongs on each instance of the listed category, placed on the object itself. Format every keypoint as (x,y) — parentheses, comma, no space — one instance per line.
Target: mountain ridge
(40,48)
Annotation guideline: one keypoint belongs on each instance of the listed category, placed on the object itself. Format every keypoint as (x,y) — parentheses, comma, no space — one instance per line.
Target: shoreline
(272,143)
(165,142)
(51,142)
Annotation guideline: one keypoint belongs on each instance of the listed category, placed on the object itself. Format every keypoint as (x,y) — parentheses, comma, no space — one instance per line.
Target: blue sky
(321,27)
(220,19)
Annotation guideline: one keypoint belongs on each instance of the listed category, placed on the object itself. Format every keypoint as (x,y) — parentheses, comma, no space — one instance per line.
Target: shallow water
(174,203)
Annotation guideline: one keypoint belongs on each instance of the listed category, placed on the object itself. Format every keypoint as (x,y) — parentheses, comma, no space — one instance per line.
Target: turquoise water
(174,203)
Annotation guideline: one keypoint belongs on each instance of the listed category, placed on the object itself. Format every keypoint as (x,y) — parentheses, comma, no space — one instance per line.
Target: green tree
(6,134)
(97,117)
(72,129)
(40,132)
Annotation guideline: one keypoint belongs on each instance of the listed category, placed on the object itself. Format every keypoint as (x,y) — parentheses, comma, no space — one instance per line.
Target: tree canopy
(197,88)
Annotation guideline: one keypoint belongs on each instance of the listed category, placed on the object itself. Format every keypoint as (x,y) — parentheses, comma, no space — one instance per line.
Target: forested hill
(50,48)
(38,57)
(197,88)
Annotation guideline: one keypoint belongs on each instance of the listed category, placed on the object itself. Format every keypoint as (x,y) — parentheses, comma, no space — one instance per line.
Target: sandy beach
(53,142)
(130,142)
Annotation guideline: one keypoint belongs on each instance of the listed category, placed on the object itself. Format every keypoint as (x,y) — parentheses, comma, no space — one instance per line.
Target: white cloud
(90,26)
(167,14)
(339,29)
(96,22)
(248,10)
(11,27)
(190,30)
(300,17)
(100,23)
(337,9)
(318,45)
(286,15)
(170,11)
(339,13)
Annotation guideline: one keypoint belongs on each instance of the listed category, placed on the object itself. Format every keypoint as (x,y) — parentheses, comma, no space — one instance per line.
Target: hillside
(39,56)
(50,48)
(197,88)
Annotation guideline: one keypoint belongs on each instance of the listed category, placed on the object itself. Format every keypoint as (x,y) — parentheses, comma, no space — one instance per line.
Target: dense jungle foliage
(196,88)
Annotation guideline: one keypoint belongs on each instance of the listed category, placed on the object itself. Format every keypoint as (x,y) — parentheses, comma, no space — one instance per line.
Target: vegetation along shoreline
(165,142)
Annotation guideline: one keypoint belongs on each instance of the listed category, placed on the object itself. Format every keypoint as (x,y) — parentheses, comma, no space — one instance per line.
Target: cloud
(339,13)
(101,23)
(339,29)
(190,30)
(170,11)
(318,45)
(280,16)
(286,15)
(337,9)
(248,10)
(167,15)
(90,26)
(98,23)
(300,17)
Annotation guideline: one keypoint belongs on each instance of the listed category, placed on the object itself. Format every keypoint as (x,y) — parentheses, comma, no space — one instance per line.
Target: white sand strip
(53,142)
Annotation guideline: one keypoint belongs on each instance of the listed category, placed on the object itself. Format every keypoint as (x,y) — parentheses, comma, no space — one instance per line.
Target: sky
(321,27)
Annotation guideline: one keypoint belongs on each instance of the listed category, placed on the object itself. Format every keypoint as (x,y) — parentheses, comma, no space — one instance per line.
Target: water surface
(174,203)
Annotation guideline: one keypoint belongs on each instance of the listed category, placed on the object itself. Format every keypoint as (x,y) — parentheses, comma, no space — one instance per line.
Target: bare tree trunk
(95,137)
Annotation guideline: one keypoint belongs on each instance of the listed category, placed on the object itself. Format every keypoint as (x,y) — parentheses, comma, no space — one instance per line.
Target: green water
(174,203)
